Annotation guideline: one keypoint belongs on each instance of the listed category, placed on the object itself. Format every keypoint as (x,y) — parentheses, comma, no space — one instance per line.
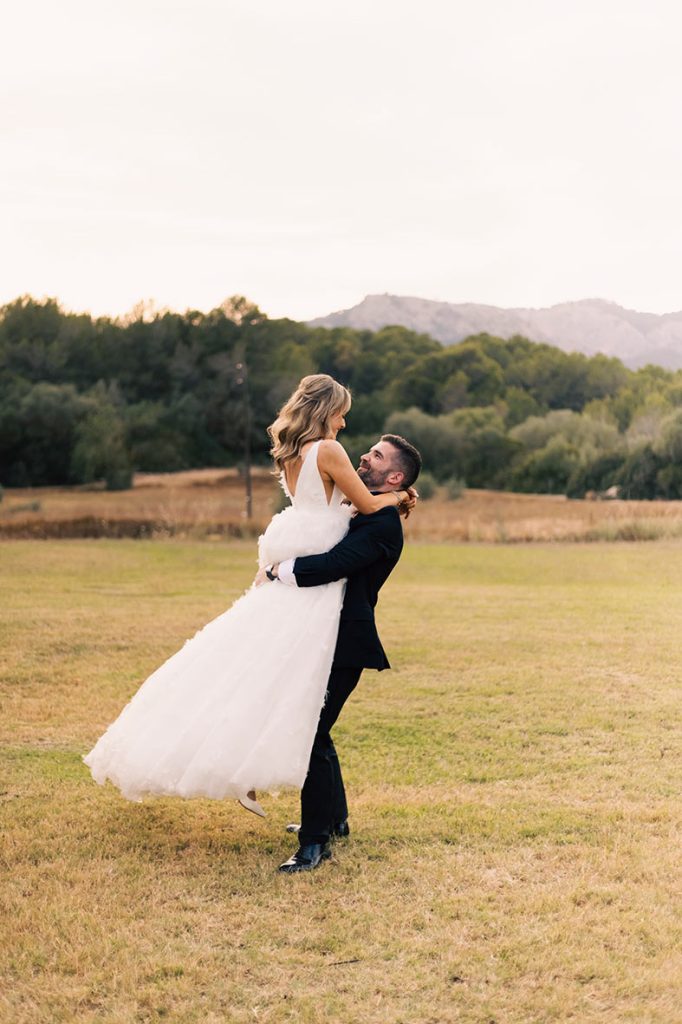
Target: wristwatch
(269,573)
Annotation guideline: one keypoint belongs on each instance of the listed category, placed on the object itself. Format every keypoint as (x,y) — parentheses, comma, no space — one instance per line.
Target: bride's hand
(260,578)
(408,504)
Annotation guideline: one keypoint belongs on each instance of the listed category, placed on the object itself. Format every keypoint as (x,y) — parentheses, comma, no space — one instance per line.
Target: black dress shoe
(341,829)
(306,858)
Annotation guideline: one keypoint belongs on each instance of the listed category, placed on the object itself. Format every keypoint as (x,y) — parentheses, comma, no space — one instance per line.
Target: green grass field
(514,786)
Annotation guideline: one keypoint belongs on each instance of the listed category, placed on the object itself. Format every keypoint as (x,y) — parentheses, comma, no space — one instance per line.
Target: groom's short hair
(408,459)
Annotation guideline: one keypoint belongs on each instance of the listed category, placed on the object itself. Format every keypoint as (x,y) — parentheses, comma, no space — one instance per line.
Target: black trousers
(323,797)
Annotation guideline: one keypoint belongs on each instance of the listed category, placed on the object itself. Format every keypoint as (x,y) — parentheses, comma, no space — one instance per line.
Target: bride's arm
(333,460)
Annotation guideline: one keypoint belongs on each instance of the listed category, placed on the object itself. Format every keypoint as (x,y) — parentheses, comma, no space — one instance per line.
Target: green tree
(596,473)
(43,425)
(442,446)
(100,450)
(546,470)
(638,477)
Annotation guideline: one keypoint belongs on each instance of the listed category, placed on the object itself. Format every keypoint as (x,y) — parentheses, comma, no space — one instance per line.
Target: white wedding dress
(237,707)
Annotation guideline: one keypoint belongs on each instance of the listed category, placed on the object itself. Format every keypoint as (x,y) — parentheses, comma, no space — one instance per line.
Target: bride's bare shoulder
(332,457)
(331,449)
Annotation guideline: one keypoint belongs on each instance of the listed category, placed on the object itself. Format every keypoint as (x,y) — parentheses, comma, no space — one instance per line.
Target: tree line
(85,399)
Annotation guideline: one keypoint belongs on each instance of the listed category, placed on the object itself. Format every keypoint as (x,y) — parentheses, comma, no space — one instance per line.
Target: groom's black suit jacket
(366,556)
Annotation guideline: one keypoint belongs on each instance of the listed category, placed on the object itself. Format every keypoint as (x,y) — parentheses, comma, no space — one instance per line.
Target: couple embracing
(249,702)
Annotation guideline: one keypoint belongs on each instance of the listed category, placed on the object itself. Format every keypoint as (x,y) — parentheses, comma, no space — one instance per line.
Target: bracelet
(269,573)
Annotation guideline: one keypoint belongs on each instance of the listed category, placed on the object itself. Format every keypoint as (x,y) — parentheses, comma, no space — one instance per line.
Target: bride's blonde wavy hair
(306,416)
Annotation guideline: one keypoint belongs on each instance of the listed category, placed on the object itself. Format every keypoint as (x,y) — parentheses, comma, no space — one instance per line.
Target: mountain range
(588,326)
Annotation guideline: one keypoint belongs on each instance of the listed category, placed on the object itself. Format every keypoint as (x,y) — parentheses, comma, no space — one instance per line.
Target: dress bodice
(310,490)
(311,524)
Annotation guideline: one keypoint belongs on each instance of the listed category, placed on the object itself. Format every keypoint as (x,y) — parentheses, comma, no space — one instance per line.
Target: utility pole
(243,382)
(245,315)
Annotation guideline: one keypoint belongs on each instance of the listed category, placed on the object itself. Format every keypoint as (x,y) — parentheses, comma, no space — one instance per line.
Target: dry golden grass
(195,503)
(501,517)
(514,786)
(210,502)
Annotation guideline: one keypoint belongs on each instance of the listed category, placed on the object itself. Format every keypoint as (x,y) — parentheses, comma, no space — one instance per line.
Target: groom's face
(377,468)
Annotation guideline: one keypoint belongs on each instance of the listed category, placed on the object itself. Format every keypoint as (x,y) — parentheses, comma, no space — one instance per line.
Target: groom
(366,556)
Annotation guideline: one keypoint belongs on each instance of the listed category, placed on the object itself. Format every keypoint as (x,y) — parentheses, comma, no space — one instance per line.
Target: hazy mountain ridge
(588,325)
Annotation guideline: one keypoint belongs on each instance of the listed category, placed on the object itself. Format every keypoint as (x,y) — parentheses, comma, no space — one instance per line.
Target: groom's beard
(373,481)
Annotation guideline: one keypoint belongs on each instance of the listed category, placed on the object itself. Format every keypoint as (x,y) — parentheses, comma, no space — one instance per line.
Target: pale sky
(308,152)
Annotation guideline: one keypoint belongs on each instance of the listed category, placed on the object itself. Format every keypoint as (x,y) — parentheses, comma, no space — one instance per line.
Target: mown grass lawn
(515,789)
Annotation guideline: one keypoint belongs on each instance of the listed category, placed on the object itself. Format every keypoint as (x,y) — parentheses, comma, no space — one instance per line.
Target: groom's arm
(379,536)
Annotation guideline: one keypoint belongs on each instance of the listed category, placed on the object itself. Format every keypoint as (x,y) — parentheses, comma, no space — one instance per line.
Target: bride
(236,708)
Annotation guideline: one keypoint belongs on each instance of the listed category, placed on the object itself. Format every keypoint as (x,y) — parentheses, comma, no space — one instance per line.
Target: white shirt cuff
(286,572)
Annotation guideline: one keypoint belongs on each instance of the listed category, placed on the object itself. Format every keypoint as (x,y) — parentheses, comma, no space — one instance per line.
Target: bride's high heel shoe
(249,803)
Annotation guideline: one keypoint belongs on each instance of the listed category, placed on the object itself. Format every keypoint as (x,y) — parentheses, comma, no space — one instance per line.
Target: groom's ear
(395,479)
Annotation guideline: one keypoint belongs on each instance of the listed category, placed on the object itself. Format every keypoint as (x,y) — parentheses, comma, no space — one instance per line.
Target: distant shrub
(119,478)
(426,486)
(630,530)
(454,488)
(637,476)
(597,474)
(669,482)
(26,506)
